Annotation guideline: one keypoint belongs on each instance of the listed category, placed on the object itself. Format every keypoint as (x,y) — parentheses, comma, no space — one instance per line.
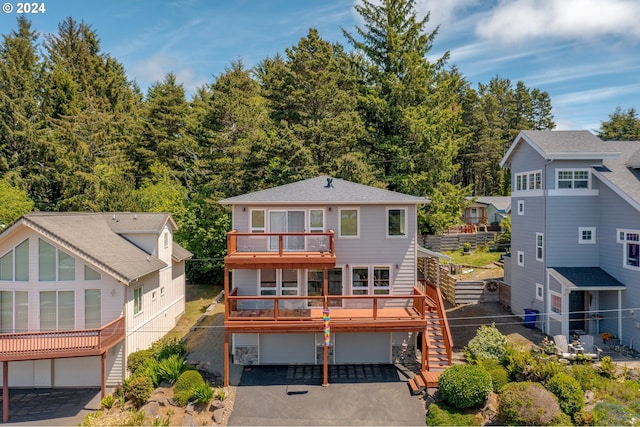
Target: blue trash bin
(530,317)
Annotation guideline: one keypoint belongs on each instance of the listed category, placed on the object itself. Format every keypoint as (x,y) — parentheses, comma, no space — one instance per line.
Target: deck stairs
(436,359)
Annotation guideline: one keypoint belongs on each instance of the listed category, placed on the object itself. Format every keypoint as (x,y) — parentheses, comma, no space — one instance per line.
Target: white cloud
(595,95)
(513,21)
(155,68)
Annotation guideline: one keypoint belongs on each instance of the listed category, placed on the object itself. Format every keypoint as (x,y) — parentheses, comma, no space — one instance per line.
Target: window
(315,283)
(91,274)
(154,296)
(13,311)
(6,266)
(257,221)
(22,262)
(54,264)
(381,281)
(360,281)
(397,222)
(289,282)
(539,292)
(166,239)
(137,301)
(556,303)
(349,222)
(569,178)
(520,207)
(162,291)
(316,221)
(92,309)
(528,181)
(586,235)
(521,258)
(279,282)
(539,246)
(57,310)
(631,249)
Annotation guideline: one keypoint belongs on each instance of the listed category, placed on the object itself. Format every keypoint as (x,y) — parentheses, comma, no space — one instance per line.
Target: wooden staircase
(436,346)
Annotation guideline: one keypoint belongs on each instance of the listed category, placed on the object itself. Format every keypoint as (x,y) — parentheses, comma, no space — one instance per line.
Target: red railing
(52,344)
(280,243)
(372,307)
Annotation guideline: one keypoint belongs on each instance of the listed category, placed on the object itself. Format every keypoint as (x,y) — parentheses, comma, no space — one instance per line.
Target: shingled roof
(98,238)
(324,190)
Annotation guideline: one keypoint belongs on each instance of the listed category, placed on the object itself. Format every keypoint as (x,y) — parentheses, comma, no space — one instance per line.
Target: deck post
(225,358)
(103,377)
(227,301)
(325,347)
(5,391)
(423,351)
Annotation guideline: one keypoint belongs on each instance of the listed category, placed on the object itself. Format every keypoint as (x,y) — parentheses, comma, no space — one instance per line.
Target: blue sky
(584,53)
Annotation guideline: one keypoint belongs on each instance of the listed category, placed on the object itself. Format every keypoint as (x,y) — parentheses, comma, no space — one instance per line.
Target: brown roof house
(79,292)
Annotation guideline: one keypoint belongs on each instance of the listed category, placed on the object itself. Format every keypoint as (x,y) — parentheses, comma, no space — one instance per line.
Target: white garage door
(287,348)
(363,348)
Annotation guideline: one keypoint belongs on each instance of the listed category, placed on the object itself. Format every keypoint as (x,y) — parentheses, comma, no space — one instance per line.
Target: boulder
(218,415)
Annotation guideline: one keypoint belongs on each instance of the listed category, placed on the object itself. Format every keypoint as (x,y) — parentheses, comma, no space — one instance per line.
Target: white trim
(573,170)
(528,193)
(141,288)
(625,246)
(605,155)
(539,292)
(591,241)
(406,221)
(520,207)
(519,257)
(553,314)
(315,229)
(540,246)
(370,288)
(262,229)
(357,235)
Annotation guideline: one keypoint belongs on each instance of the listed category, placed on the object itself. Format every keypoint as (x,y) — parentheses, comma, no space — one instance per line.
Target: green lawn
(478,258)
(198,298)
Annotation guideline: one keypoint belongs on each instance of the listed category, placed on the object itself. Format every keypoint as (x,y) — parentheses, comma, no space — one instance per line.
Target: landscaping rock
(151,409)
(490,410)
(216,404)
(589,397)
(189,409)
(187,420)
(218,415)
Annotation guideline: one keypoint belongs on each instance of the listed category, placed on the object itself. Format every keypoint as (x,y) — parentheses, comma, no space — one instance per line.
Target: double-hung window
(555,302)
(539,246)
(257,221)
(631,248)
(349,222)
(371,280)
(137,300)
(572,178)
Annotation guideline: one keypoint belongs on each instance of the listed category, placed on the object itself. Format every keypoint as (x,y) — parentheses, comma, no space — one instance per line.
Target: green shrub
(488,343)
(123,418)
(137,358)
(138,390)
(607,367)
(464,386)
(202,394)
(499,376)
(184,386)
(612,413)
(441,414)
(108,401)
(529,403)
(220,394)
(167,347)
(588,377)
(150,368)
(568,391)
(171,368)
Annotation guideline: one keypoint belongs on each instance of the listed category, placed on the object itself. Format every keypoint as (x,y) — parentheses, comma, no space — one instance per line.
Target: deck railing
(52,344)
(372,307)
(280,243)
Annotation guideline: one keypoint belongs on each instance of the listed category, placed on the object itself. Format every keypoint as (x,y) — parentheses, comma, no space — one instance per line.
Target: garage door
(287,348)
(363,348)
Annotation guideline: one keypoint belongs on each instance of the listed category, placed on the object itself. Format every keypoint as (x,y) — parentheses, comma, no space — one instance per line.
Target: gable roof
(316,191)
(620,174)
(585,278)
(501,203)
(97,238)
(568,144)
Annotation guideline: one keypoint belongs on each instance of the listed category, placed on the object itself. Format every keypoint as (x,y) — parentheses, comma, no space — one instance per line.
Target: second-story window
(137,300)
(539,246)
(257,221)
(316,220)
(349,222)
(54,264)
(572,178)
(631,249)
(14,265)
(397,222)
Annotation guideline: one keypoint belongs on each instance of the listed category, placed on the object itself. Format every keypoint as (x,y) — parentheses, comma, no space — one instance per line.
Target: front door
(576,311)
(287,222)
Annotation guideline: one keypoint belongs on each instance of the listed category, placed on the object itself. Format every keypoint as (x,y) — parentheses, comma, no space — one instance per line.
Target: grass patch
(198,298)
(477,258)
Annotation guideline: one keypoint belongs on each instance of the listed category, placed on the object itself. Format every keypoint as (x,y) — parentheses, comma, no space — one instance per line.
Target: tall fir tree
(623,125)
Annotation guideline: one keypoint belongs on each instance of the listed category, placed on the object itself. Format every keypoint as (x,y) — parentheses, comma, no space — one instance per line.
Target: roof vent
(135,216)
(329,183)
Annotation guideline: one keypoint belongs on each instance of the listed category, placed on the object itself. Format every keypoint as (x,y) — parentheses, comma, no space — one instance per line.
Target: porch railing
(52,344)
(280,243)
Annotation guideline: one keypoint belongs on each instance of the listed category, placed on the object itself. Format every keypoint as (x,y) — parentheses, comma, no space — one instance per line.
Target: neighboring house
(575,232)
(79,292)
(486,210)
(333,247)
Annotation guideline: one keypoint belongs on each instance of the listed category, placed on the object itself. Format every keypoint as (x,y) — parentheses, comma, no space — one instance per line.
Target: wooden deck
(61,344)
(280,250)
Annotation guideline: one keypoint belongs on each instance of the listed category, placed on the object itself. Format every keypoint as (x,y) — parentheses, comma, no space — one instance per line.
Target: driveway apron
(356,395)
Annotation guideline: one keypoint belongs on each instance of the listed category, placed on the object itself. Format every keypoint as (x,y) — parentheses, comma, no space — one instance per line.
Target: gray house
(326,271)
(575,248)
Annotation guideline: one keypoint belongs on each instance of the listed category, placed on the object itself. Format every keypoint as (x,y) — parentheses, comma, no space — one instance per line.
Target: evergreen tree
(623,125)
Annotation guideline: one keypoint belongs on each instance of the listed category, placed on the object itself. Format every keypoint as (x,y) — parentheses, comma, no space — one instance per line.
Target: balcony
(348,313)
(280,250)
(59,344)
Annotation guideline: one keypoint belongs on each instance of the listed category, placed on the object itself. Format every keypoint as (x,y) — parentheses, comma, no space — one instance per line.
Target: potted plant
(466,247)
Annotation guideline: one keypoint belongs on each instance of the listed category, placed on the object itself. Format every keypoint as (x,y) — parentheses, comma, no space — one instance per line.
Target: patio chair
(562,347)
(589,346)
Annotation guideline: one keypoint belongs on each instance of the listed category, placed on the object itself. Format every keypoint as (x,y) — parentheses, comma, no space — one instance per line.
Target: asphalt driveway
(364,395)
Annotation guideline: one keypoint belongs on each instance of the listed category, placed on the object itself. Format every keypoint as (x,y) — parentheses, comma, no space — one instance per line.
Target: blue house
(575,245)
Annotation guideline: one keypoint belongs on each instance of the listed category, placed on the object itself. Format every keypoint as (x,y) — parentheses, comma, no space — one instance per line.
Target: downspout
(545,297)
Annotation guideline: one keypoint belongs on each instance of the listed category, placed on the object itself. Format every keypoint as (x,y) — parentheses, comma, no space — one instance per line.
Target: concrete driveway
(364,395)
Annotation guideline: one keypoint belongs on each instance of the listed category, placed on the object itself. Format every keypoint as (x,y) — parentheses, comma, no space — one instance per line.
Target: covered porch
(583,300)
